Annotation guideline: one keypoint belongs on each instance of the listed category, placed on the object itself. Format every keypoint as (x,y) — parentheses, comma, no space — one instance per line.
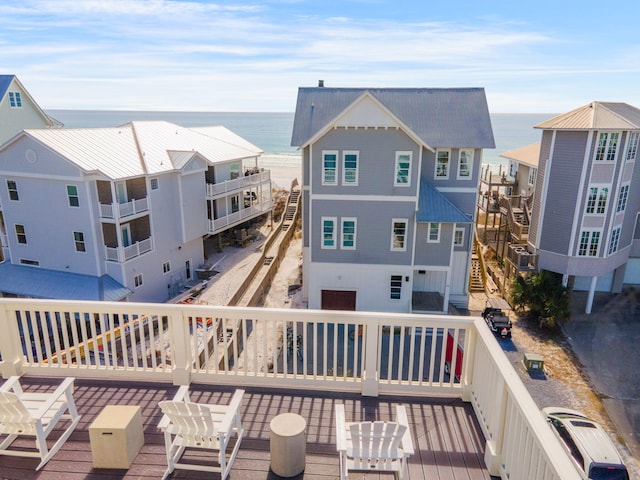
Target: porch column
(592,290)
(370,374)
(565,280)
(180,347)
(10,344)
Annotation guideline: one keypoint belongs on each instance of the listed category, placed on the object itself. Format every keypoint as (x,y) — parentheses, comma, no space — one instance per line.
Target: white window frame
(430,231)
(79,242)
(623,195)
(447,165)
(71,196)
(398,169)
(154,184)
(325,170)
(333,238)
(469,153)
(607,146)
(353,182)
(395,287)
(458,236)
(632,146)
(13,189)
(15,99)
(395,221)
(22,234)
(166,267)
(533,173)
(600,200)
(589,243)
(342,233)
(615,240)
(235,204)
(138,281)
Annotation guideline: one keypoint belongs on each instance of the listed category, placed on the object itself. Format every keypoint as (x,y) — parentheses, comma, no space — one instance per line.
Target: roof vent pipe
(320,83)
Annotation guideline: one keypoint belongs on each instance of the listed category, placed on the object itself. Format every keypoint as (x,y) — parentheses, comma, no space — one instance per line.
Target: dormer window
(15,100)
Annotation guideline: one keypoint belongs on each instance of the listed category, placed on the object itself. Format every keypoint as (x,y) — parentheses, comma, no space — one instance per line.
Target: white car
(588,444)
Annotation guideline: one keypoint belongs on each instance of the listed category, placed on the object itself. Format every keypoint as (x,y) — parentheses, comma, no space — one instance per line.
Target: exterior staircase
(476,282)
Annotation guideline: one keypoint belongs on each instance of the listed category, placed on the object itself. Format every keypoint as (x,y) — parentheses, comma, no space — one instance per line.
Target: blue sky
(189,55)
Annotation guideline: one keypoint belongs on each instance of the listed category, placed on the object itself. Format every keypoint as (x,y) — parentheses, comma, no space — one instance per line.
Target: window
(12,187)
(632,147)
(78,238)
(434,233)
(403,169)
(15,100)
(615,239)
(398,235)
(607,146)
(442,164)
(396,287)
(622,198)
(234,170)
(235,203)
(20,234)
(597,200)
(328,232)
(350,168)
(589,242)
(348,241)
(329,168)
(166,267)
(465,163)
(72,194)
(533,172)
(154,184)
(137,280)
(458,237)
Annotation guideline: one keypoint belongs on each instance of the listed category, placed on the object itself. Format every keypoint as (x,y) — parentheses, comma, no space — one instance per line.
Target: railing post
(10,344)
(493,450)
(180,348)
(370,374)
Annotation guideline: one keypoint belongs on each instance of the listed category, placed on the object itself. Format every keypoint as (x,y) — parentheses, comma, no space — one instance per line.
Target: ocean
(272,131)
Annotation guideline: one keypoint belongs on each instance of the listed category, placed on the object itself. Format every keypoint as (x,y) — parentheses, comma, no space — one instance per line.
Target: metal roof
(140,148)
(434,206)
(439,117)
(596,116)
(528,155)
(5,81)
(35,282)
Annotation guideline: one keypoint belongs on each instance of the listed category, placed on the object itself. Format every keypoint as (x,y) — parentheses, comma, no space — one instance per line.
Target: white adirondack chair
(35,415)
(194,425)
(367,446)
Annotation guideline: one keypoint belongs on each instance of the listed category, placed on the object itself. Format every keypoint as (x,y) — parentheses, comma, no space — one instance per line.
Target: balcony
(215,190)
(242,215)
(123,254)
(479,419)
(521,259)
(116,211)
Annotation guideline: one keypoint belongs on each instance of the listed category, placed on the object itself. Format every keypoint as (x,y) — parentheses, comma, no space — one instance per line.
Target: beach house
(18,109)
(120,213)
(390,178)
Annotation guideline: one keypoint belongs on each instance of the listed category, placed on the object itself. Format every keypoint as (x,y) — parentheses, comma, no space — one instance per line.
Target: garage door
(338,300)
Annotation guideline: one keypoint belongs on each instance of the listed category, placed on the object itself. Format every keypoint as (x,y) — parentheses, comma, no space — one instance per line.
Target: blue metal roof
(433,206)
(34,282)
(5,81)
(440,117)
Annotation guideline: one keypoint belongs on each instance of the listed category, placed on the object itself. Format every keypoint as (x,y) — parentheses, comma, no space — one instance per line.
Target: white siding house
(128,206)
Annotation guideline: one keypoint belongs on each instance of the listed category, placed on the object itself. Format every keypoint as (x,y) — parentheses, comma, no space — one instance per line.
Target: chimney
(320,83)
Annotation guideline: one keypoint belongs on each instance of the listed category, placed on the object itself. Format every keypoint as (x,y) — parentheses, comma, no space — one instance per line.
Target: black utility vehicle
(498,321)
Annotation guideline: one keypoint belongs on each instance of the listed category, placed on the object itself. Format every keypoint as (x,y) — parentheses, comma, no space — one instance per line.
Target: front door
(121,191)
(126,235)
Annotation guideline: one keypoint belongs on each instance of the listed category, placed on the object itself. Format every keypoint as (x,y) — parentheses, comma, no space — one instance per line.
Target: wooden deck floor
(448,439)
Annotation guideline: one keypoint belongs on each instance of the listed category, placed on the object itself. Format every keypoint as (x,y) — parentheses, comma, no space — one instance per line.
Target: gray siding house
(584,221)
(120,213)
(390,178)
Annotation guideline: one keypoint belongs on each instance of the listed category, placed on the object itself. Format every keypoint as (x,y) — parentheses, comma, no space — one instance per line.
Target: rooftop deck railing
(371,353)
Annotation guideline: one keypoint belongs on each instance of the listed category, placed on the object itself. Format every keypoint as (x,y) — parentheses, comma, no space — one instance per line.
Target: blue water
(272,131)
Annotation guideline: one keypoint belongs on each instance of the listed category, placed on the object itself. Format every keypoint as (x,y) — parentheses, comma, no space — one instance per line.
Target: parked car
(498,321)
(588,444)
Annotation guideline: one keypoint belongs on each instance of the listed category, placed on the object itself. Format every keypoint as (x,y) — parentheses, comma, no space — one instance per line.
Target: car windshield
(608,472)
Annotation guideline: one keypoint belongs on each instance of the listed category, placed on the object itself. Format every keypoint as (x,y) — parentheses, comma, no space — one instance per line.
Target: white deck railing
(123,210)
(122,254)
(235,218)
(237,184)
(372,353)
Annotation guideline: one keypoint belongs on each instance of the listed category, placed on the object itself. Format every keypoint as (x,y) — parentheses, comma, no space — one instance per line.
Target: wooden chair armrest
(233,409)
(63,388)
(407,443)
(341,429)
(12,384)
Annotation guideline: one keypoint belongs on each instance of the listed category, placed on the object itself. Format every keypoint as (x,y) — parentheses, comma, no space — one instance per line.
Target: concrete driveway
(607,343)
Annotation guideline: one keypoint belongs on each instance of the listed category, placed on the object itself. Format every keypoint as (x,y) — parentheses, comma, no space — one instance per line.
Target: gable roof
(434,206)
(439,117)
(5,83)
(35,282)
(140,148)
(596,116)
(527,155)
